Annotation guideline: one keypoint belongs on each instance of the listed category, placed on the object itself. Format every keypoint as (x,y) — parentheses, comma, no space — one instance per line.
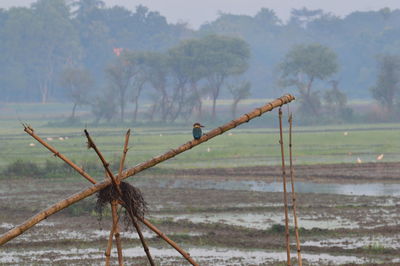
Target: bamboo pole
(115,229)
(124,152)
(284,189)
(294,202)
(169,241)
(141,237)
(114,232)
(117,233)
(106,165)
(109,245)
(140,167)
(31,132)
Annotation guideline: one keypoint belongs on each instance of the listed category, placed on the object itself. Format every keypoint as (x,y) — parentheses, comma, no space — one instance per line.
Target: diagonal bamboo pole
(12,233)
(114,204)
(31,132)
(103,160)
(292,180)
(284,189)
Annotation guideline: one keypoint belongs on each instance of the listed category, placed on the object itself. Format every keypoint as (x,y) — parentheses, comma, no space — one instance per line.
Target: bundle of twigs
(131,199)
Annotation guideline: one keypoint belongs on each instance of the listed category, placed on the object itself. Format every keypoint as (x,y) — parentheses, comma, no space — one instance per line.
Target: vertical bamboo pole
(116,232)
(135,224)
(292,180)
(109,245)
(284,189)
(124,152)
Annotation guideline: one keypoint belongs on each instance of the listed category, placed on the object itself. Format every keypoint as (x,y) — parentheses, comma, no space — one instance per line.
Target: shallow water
(202,255)
(261,221)
(370,189)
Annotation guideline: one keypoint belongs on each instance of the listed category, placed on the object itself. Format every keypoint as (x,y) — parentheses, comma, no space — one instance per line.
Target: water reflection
(370,189)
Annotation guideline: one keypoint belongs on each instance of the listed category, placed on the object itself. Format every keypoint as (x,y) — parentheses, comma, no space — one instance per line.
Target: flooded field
(220,216)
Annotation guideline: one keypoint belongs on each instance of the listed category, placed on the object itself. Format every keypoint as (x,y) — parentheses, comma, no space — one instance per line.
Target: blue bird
(197,130)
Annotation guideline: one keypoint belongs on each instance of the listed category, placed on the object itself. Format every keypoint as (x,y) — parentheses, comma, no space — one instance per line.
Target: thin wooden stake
(292,180)
(284,189)
(62,204)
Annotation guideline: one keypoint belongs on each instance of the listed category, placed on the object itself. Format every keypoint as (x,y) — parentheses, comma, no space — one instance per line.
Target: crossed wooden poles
(114,180)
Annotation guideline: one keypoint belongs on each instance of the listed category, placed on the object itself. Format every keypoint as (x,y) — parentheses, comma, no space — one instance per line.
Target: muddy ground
(221,216)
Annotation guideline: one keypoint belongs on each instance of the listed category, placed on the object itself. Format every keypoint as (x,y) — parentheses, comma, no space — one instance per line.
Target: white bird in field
(208,149)
(346,133)
(359,160)
(380,157)
(61,138)
(32,144)
(49,139)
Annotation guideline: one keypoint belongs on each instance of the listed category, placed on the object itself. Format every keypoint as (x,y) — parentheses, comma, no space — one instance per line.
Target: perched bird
(197,130)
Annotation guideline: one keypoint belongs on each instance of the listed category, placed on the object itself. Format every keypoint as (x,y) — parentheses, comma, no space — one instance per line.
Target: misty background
(111,57)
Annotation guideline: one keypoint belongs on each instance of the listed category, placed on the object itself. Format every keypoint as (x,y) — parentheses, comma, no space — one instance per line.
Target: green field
(245,146)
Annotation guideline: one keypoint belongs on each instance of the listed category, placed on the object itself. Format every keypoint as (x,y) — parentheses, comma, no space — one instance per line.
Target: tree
(387,88)
(303,65)
(54,42)
(187,70)
(239,92)
(104,106)
(139,80)
(78,84)
(120,75)
(335,99)
(222,57)
(153,67)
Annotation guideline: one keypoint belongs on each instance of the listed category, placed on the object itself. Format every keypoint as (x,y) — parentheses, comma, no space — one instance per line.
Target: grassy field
(244,146)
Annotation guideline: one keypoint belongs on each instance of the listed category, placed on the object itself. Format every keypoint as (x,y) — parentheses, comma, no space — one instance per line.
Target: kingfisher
(197,130)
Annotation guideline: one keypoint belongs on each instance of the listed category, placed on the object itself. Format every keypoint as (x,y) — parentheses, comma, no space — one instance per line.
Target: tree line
(177,79)
(109,57)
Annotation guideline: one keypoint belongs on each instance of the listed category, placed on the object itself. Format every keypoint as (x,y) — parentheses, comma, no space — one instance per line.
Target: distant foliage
(387,88)
(174,67)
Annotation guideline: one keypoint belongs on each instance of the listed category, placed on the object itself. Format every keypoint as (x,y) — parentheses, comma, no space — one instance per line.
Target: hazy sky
(196,12)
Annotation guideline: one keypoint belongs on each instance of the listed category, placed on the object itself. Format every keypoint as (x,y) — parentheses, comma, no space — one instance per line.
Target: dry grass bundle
(132,199)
